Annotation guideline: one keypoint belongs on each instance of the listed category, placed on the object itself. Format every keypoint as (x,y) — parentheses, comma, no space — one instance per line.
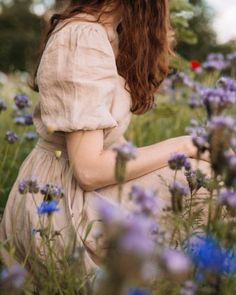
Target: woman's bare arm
(94,167)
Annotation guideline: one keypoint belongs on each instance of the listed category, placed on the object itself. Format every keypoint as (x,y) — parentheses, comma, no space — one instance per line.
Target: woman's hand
(192,151)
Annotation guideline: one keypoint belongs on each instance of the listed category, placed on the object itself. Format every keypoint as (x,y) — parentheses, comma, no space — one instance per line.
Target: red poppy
(195,64)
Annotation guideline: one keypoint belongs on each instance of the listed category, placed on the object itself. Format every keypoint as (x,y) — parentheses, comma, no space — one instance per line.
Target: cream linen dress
(79,89)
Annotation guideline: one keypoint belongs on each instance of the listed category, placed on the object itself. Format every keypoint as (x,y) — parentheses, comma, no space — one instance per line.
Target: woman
(102,60)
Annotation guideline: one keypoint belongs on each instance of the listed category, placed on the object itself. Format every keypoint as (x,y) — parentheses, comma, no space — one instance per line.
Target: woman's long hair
(144,44)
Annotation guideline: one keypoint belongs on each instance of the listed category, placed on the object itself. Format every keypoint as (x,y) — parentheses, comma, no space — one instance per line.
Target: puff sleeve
(77,79)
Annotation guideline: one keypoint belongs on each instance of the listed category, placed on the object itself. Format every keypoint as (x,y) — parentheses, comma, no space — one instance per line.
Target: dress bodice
(79,85)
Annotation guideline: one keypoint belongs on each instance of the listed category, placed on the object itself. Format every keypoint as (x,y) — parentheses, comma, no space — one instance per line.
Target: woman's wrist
(189,148)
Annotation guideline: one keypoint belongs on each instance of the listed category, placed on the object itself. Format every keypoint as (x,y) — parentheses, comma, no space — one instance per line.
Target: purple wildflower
(48,207)
(14,276)
(227,84)
(178,160)
(11,136)
(175,263)
(137,236)
(3,106)
(183,78)
(28,185)
(228,199)
(146,200)
(178,190)
(126,151)
(199,136)
(227,122)
(217,99)
(52,191)
(30,135)
(28,119)
(110,212)
(196,179)
(21,101)
(19,120)
(215,61)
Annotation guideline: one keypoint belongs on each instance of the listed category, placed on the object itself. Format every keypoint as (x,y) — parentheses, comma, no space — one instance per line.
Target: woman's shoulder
(77,27)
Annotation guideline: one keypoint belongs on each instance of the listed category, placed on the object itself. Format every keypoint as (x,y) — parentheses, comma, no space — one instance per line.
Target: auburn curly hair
(144,43)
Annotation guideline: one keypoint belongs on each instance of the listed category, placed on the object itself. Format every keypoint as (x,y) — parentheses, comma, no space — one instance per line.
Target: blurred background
(202,26)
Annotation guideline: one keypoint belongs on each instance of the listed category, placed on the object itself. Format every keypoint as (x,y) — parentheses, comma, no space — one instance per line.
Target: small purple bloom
(215,61)
(126,151)
(146,200)
(227,84)
(21,101)
(15,276)
(3,106)
(178,190)
(48,207)
(218,99)
(30,135)
(52,191)
(199,136)
(228,199)
(176,263)
(109,212)
(28,119)
(183,78)
(30,184)
(178,161)
(137,236)
(222,121)
(19,120)
(11,136)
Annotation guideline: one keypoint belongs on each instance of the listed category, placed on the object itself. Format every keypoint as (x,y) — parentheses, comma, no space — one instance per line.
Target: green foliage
(181,12)
(19,37)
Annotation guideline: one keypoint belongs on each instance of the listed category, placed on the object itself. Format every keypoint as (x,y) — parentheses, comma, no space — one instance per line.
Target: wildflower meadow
(197,254)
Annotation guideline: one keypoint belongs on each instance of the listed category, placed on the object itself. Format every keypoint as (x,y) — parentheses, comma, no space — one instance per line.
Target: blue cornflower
(137,291)
(48,207)
(208,255)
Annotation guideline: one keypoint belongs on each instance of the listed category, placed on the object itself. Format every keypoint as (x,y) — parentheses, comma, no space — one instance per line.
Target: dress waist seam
(56,149)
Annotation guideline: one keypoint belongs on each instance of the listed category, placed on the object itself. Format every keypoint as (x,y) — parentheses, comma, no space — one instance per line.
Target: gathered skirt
(20,225)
